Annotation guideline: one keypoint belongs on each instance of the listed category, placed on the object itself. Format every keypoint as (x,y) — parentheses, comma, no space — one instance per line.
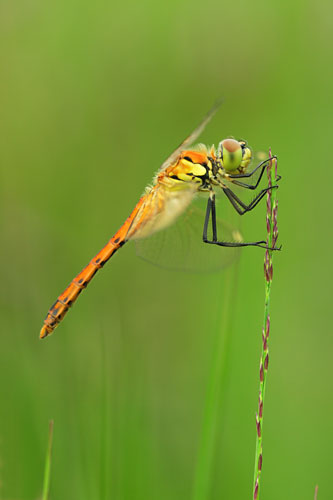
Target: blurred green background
(93,97)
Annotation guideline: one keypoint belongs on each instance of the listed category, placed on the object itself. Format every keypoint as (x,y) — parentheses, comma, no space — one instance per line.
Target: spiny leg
(235,201)
(252,186)
(207,217)
(211,210)
(262,165)
(249,174)
(214,229)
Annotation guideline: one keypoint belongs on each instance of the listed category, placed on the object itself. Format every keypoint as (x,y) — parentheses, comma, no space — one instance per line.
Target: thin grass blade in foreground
(316,492)
(47,470)
(216,385)
(272,235)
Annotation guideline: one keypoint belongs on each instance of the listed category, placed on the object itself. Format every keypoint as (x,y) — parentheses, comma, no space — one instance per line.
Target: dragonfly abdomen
(57,312)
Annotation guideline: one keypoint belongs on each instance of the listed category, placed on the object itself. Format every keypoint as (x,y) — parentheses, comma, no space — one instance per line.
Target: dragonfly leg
(214,229)
(263,165)
(239,205)
(211,208)
(211,211)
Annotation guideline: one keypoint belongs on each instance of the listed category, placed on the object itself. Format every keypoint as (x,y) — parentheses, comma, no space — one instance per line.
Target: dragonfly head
(234,155)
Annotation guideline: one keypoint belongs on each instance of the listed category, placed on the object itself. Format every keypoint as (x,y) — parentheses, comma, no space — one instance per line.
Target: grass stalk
(47,470)
(272,234)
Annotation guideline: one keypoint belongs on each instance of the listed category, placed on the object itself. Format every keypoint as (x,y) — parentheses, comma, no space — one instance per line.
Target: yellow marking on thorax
(186,170)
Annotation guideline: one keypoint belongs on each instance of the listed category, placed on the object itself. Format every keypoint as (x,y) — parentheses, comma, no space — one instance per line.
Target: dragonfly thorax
(192,170)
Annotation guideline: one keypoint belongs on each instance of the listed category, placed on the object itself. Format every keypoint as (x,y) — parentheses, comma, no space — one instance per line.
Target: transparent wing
(180,247)
(192,137)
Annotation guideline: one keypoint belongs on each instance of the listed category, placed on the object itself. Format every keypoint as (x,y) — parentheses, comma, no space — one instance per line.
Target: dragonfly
(179,180)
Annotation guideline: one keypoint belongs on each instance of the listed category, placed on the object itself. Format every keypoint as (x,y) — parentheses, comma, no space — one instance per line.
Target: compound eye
(232,154)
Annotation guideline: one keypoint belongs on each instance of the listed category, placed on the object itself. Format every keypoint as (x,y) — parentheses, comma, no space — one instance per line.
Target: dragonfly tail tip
(43,333)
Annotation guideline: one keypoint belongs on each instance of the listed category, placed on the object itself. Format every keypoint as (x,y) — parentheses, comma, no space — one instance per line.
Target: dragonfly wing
(180,246)
(192,137)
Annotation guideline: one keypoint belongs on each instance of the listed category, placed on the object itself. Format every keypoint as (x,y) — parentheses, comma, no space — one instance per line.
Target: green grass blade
(216,385)
(47,470)
(105,421)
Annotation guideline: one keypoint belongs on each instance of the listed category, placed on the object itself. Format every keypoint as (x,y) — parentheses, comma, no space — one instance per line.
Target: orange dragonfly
(185,174)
